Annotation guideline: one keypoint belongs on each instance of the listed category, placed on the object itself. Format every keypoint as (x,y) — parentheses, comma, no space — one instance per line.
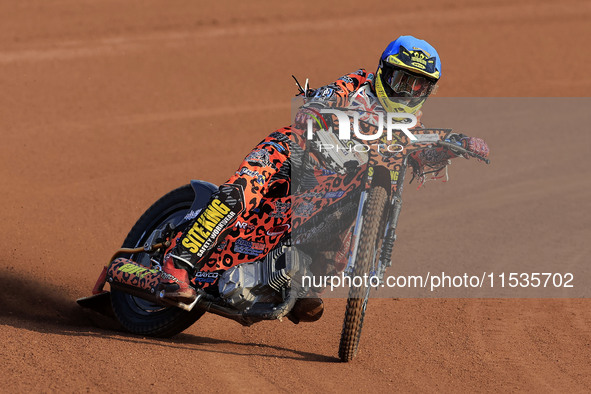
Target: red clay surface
(105,106)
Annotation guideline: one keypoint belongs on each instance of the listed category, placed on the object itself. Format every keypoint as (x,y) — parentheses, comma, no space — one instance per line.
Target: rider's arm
(337,94)
(428,154)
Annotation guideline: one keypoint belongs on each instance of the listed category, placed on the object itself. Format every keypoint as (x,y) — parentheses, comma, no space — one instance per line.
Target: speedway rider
(266,170)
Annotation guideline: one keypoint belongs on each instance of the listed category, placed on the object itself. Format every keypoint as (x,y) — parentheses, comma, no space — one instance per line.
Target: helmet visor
(403,83)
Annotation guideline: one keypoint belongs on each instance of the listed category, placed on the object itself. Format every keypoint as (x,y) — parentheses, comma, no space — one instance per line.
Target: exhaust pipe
(139,281)
(142,282)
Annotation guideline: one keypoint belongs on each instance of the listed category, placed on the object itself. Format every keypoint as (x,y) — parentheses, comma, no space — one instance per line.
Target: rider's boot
(175,282)
(306,310)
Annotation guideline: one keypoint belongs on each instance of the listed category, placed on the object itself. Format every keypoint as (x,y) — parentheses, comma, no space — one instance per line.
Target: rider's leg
(242,192)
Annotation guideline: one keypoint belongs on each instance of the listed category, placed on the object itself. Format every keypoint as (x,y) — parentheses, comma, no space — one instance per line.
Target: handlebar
(461,150)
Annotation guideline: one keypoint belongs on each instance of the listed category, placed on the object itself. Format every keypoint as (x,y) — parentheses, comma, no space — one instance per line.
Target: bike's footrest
(100,303)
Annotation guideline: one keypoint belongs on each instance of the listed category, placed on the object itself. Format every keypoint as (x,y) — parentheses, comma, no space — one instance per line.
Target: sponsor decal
(167,276)
(327,195)
(192,215)
(346,79)
(427,138)
(422,50)
(303,237)
(275,145)
(136,270)
(281,209)
(208,226)
(206,277)
(312,195)
(334,194)
(248,247)
(278,230)
(394,176)
(244,225)
(324,93)
(417,58)
(247,171)
(261,157)
(304,209)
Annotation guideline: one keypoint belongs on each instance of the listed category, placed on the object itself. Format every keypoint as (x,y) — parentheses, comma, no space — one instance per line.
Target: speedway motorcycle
(343,218)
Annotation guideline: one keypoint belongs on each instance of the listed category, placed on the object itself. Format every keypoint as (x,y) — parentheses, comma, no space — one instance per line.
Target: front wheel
(136,314)
(366,255)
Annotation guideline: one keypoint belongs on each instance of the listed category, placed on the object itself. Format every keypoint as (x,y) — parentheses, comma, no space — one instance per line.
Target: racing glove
(476,145)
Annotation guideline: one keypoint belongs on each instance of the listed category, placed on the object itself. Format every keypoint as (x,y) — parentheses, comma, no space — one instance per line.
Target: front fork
(385,259)
(356,233)
(385,256)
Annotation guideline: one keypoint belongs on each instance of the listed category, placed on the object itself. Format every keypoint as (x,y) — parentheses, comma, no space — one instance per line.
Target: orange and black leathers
(264,170)
(262,179)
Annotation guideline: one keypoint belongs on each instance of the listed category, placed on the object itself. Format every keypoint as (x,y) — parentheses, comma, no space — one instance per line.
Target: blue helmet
(408,71)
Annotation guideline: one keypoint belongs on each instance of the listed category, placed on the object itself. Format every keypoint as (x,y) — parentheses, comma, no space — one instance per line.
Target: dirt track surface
(105,106)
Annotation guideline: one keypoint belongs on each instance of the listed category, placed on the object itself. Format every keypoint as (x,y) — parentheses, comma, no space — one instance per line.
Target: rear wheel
(364,264)
(136,314)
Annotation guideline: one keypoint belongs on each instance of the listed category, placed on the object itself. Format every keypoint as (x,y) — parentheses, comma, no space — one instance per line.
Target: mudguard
(203,191)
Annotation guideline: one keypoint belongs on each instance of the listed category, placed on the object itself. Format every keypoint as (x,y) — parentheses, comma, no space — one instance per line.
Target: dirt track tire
(358,296)
(135,314)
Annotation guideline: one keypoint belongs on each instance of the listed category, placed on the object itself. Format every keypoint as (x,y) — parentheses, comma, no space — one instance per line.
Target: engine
(263,281)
